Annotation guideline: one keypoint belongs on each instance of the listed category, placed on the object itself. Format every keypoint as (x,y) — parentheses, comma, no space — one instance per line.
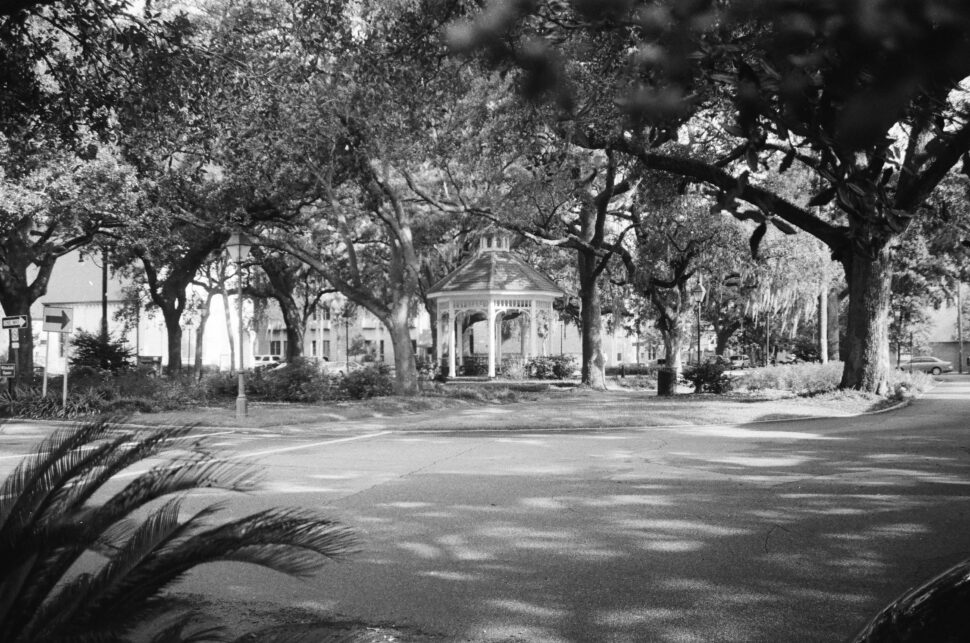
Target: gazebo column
(522,335)
(499,319)
(440,337)
(490,323)
(451,339)
(460,339)
(533,328)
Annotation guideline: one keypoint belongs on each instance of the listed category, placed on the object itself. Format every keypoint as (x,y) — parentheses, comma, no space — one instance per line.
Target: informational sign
(8,369)
(16,321)
(58,320)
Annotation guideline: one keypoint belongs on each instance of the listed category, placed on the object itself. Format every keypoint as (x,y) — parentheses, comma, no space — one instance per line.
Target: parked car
(740,361)
(341,368)
(261,362)
(927,364)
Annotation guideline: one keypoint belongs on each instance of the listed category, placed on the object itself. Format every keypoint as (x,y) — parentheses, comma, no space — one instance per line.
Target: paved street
(783,531)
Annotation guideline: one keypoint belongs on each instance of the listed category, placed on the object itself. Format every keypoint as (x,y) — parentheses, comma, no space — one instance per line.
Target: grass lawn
(530,407)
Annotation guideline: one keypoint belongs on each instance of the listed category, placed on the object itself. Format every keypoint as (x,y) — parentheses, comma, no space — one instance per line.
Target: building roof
(495,269)
(74,280)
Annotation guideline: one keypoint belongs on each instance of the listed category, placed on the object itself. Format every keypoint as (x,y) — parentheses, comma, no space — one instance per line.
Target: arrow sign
(17,321)
(58,320)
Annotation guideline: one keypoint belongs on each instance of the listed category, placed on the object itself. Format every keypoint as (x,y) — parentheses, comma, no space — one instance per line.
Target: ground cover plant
(813,378)
(136,540)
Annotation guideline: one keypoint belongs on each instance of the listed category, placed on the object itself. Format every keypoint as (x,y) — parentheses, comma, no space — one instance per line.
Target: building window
(325,312)
(381,349)
(275,346)
(326,348)
(313,348)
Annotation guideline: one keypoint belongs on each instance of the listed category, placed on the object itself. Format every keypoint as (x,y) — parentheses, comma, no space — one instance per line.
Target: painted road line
(256,454)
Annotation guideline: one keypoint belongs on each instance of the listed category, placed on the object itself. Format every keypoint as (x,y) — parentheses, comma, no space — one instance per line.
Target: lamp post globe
(238,248)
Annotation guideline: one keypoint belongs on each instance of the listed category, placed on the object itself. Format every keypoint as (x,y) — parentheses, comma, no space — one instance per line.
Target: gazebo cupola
(494,284)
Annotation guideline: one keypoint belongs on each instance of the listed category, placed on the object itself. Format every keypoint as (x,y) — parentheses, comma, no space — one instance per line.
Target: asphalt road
(784,531)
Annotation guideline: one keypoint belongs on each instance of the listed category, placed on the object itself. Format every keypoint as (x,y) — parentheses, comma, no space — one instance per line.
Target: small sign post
(58,320)
(15,321)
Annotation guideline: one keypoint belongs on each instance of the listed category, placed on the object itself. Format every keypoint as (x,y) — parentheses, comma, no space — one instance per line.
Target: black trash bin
(666,381)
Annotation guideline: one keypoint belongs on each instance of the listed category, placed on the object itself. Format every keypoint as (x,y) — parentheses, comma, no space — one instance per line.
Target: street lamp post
(238,247)
(697,293)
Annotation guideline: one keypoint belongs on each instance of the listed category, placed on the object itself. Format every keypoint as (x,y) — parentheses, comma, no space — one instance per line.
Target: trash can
(666,381)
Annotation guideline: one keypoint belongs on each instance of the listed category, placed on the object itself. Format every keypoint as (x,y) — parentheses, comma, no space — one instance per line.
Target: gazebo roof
(495,269)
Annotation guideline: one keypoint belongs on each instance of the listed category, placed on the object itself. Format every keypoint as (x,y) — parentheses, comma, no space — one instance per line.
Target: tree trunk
(200,333)
(724,335)
(295,328)
(823,326)
(229,333)
(673,336)
(834,331)
(173,329)
(867,334)
(405,369)
(593,369)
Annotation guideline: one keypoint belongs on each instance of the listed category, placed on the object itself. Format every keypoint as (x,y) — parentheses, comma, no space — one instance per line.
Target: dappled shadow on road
(777,538)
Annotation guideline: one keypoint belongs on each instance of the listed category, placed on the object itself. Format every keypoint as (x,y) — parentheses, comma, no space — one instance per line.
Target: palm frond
(73,476)
(47,522)
(187,628)
(291,541)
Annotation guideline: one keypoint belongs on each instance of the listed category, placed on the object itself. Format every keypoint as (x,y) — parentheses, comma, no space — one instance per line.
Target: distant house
(943,336)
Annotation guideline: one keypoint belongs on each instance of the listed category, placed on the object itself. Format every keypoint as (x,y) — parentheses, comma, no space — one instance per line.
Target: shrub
(54,512)
(709,376)
(29,403)
(370,381)
(474,365)
(427,367)
(632,369)
(802,379)
(512,368)
(299,380)
(100,352)
(551,367)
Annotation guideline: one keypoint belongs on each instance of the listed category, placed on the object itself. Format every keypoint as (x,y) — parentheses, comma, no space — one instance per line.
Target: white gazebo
(494,284)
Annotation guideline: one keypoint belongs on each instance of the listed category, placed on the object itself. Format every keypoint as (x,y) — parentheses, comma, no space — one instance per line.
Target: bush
(29,403)
(474,365)
(709,376)
(99,352)
(801,379)
(551,367)
(512,368)
(627,370)
(370,381)
(297,381)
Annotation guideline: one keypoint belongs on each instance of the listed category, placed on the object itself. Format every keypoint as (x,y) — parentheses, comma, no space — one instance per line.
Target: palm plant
(76,568)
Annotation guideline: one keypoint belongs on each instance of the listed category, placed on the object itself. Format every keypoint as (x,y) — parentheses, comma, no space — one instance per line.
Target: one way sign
(58,320)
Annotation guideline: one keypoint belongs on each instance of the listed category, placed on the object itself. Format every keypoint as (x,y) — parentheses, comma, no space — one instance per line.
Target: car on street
(341,368)
(926,364)
(740,361)
(261,362)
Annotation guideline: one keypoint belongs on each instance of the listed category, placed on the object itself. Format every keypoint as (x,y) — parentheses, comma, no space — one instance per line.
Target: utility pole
(960,321)
(104,294)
